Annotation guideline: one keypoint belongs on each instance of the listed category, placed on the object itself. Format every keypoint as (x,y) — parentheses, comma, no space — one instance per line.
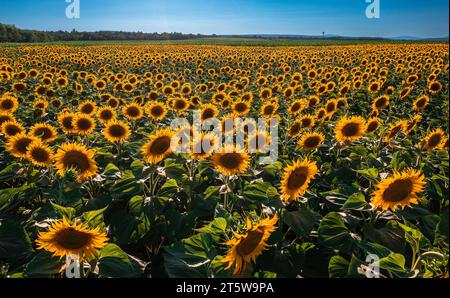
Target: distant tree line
(10,33)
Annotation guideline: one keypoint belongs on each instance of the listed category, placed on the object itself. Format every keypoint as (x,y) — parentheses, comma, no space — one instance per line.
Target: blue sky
(423,18)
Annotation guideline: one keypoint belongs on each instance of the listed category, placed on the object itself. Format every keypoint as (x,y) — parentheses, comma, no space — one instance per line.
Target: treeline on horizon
(10,33)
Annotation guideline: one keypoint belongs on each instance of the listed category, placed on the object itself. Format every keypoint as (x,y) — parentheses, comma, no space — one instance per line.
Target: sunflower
(18,145)
(401,189)
(295,128)
(374,87)
(44,131)
(88,107)
(246,247)
(39,154)
(240,108)
(8,104)
(11,128)
(157,111)
(204,146)
(76,157)
(307,121)
(331,106)
(83,124)
(230,160)
(435,87)
(297,178)
(394,129)
(106,114)
(4,117)
(296,106)
(412,123)
(421,103)
(311,141)
(269,109)
(208,111)
(435,140)
(65,121)
(380,103)
(133,111)
(116,131)
(65,238)
(372,125)
(158,146)
(350,129)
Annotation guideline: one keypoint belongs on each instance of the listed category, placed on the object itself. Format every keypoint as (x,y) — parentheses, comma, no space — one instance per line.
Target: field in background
(232,41)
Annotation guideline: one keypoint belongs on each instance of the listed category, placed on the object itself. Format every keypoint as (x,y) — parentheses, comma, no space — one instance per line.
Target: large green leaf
(114,262)
(334,234)
(15,244)
(302,221)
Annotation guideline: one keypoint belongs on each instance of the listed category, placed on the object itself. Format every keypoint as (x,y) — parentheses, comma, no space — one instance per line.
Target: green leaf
(15,244)
(64,212)
(126,187)
(114,262)
(338,267)
(9,172)
(356,202)
(12,197)
(334,234)
(442,228)
(394,263)
(302,221)
(216,228)
(389,236)
(190,258)
(44,264)
(371,173)
(94,218)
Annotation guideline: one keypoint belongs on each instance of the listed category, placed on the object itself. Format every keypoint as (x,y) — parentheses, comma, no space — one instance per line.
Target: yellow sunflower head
(230,160)
(296,179)
(435,140)
(64,238)
(311,141)
(44,131)
(11,128)
(65,121)
(106,114)
(39,154)
(350,129)
(399,190)
(133,111)
(18,145)
(158,146)
(88,107)
(76,157)
(83,124)
(117,131)
(246,247)
(156,111)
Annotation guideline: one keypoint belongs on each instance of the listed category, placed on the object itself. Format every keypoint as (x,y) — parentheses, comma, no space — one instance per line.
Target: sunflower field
(360,186)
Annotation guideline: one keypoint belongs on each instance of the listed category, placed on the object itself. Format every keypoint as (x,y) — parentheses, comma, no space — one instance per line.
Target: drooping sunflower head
(133,111)
(350,129)
(296,179)
(76,157)
(64,238)
(372,125)
(311,141)
(421,103)
(246,247)
(83,124)
(39,154)
(116,131)
(44,131)
(231,160)
(158,146)
(399,190)
(395,129)
(435,140)
(18,145)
